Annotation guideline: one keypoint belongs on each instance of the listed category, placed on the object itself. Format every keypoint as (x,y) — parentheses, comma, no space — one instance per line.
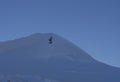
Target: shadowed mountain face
(52,57)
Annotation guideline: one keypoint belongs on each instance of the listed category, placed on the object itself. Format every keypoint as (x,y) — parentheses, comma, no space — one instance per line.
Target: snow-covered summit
(47,45)
(54,58)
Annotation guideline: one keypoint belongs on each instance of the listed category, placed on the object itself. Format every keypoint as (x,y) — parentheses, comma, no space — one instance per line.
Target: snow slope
(60,60)
(40,45)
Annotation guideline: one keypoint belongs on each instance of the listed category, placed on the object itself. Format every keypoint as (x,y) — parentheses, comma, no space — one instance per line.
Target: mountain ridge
(53,57)
(43,38)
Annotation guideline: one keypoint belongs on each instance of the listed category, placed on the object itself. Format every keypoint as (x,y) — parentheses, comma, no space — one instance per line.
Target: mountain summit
(46,45)
(51,56)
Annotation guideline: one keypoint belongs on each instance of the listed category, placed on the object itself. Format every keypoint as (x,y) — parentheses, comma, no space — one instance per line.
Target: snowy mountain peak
(47,45)
(52,58)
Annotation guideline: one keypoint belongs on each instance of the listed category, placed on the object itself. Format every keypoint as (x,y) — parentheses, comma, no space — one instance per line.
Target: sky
(93,25)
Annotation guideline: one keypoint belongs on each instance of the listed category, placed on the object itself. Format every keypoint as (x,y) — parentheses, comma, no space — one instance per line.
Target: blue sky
(93,25)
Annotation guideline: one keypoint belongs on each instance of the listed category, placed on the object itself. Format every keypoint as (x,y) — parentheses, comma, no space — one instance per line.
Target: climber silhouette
(50,40)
